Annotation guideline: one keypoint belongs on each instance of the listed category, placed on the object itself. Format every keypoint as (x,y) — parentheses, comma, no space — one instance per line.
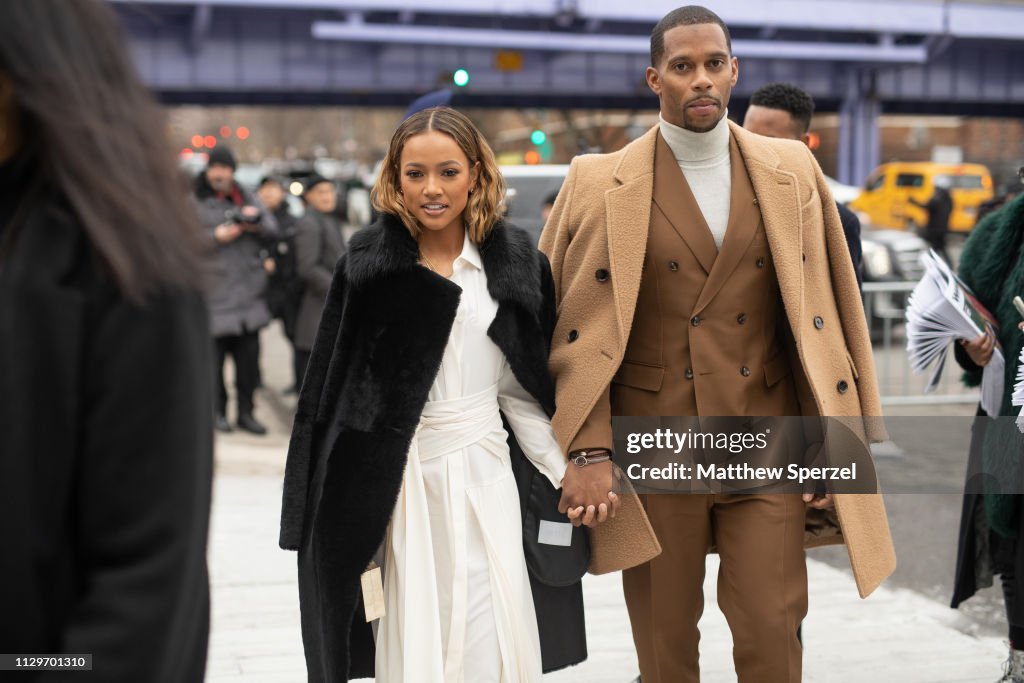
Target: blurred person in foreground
(318,246)
(237,225)
(430,355)
(105,361)
(991,526)
(782,110)
(284,288)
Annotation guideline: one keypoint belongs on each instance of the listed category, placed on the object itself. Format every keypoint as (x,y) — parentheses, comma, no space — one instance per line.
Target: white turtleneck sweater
(704,160)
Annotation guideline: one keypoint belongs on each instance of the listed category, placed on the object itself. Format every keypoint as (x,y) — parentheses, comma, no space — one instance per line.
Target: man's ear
(653,79)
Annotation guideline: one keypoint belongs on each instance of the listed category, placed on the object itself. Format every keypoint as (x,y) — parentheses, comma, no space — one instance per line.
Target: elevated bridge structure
(859,58)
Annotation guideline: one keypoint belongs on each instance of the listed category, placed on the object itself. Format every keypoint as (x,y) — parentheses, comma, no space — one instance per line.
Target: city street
(904,631)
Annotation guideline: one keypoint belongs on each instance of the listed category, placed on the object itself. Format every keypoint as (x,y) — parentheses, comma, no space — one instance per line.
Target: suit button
(673,266)
(818,322)
(760,262)
(695,320)
(601,275)
(741,318)
(573,336)
(842,386)
(745,371)
(689,373)
(803,257)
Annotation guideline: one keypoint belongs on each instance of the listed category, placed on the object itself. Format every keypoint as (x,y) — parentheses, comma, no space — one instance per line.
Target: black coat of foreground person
(105,362)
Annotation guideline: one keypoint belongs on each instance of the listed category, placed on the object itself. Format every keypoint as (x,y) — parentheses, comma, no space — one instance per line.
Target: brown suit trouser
(762,585)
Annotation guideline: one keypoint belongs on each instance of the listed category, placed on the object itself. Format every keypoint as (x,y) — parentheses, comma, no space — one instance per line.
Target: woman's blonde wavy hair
(487,196)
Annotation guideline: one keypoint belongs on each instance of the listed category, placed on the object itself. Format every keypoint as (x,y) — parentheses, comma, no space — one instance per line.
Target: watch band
(593,455)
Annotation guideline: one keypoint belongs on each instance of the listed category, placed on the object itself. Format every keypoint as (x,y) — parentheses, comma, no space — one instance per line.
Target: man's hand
(980,349)
(227,232)
(587,495)
(822,502)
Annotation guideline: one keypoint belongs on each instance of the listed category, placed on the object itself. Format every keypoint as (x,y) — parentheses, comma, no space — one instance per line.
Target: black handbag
(552,565)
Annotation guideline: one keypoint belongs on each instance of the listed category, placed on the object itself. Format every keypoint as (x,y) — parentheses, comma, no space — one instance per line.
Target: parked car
(528,186)
(844,194)
(885,199)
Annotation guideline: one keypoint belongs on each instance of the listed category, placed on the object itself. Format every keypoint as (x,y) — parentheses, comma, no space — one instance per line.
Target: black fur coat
(377,351)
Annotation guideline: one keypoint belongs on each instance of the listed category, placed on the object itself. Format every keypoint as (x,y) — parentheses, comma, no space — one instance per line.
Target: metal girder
(859,143)
(266,56)
(358,32)
(998,20)
(201,17)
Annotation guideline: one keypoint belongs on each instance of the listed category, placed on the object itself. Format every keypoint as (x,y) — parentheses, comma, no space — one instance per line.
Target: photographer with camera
(238,225)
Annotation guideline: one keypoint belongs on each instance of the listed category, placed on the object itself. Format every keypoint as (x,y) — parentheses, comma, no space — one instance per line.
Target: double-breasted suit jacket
(617,255)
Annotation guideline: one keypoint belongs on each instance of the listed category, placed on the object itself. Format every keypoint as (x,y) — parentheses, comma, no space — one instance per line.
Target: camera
(236,215)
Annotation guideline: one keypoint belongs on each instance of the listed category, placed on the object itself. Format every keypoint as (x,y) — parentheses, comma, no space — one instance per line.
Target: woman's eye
(450,172)
(413,174)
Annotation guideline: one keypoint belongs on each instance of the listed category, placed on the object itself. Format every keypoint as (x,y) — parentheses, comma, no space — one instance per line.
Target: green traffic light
(461,78)
(538,137)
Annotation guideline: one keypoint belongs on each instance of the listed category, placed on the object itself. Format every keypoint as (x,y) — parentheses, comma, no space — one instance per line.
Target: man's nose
(702,81)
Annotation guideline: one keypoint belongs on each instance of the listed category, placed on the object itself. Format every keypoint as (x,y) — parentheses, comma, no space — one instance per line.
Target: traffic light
(460,78)
(538,137)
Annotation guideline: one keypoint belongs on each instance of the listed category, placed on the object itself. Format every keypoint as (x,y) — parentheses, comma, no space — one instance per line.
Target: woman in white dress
(438,325)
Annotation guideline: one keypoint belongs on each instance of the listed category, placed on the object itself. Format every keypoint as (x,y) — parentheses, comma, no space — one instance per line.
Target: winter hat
(312,181)
(276,180)
(223,156)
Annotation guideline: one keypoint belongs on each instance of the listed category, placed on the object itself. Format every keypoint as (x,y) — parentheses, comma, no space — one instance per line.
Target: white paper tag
(373,593)
(555,533)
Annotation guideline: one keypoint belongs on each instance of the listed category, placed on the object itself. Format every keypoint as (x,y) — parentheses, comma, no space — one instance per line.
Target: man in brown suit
(702,270)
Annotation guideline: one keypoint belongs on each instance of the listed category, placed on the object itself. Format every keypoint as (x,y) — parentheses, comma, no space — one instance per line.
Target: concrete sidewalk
(895,635)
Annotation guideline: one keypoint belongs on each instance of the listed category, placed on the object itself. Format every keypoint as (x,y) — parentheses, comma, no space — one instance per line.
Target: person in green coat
(992,265)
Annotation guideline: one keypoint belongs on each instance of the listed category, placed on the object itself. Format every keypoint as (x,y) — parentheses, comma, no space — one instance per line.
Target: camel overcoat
(596,238)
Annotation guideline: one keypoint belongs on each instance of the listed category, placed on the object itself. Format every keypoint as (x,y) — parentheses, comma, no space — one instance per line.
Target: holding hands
(588,497)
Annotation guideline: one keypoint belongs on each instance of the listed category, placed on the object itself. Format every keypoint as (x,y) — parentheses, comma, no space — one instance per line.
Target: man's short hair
(789,98)
(691,15)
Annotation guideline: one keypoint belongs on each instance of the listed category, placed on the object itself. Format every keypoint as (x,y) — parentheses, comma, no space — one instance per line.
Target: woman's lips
(434,209)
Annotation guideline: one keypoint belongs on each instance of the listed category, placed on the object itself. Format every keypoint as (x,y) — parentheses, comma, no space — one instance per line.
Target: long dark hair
(98,138)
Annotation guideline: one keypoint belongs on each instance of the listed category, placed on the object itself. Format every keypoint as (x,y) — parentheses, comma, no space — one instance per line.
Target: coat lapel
(628,218)
(675,199)
(778,198)
(743,224)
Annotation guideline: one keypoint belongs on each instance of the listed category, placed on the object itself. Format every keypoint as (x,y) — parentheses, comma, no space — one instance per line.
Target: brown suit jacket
(601,222)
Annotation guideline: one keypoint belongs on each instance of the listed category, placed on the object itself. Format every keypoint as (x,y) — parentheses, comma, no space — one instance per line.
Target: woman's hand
(980,349)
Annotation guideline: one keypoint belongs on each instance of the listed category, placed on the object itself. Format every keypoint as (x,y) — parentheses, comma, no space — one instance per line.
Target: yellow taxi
(885,199)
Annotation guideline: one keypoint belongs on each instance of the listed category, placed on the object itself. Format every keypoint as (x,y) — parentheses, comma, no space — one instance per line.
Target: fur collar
(992,265)
(985,261)
(509,257)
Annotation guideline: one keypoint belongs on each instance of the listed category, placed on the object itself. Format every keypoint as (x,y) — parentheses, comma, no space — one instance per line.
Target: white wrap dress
(457,594)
